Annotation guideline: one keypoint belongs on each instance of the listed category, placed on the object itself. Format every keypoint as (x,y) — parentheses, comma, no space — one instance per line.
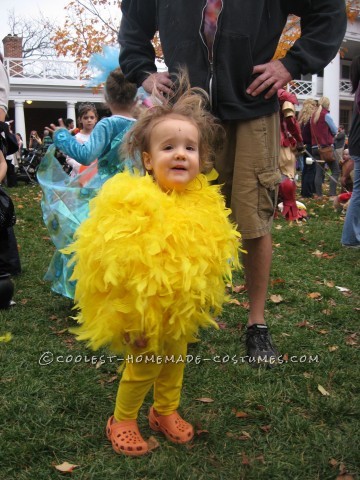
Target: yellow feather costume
(151,264)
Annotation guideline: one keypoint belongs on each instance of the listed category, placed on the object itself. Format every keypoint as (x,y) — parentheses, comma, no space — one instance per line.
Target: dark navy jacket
(248,33)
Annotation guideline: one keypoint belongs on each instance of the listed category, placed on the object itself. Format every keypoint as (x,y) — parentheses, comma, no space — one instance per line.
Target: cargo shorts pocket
(268,191)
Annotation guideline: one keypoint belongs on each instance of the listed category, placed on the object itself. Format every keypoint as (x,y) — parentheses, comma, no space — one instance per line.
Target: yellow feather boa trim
(150,264)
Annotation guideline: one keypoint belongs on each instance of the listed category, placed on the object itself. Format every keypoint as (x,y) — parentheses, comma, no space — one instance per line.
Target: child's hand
(140,342)
(53,127)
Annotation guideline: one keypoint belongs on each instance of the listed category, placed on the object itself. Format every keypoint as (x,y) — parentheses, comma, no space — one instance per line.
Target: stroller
(28,165)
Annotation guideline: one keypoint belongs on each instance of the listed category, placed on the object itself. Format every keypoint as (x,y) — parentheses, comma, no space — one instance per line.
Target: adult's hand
(272,74)
(159,82)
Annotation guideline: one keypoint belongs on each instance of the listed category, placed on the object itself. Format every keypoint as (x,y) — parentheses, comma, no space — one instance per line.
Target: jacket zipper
(210,58)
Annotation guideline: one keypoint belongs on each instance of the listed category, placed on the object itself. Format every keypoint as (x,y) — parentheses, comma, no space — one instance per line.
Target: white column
(71,111)
(314,84)
(331,87)
(20,120)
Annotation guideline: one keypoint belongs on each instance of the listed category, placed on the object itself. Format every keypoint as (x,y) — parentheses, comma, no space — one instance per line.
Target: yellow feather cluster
(151,265)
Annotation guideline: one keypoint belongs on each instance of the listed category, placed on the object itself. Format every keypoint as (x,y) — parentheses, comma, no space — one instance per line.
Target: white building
(41,91)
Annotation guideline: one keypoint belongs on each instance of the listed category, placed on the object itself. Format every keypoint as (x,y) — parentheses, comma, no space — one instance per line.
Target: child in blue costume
(65,202)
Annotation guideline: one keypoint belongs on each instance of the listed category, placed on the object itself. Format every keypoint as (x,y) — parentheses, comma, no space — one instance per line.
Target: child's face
(173,155)
(88,121)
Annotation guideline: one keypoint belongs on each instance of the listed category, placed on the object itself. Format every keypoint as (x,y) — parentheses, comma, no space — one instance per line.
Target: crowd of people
(146,261)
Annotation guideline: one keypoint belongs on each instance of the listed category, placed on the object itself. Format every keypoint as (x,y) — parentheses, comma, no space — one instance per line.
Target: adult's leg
(351,231)
(257,264)
(319,176)
(253,201)
(335,173)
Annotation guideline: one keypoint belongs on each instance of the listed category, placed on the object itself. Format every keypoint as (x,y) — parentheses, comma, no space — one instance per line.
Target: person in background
(35,141)
(69,124)
(19,152)
(339,143)
(88,117)
(323,131)
(47,140)
(9,254)
(309,170)
(227,47)
(347,168)
(351,230)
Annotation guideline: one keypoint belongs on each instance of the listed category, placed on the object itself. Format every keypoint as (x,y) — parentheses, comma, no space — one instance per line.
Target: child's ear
(146,158)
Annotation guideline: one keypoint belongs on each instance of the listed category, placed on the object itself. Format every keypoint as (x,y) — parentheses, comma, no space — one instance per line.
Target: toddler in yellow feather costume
(152,262)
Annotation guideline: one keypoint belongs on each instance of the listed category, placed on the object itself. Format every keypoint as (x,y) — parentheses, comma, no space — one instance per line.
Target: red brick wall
(13,49)
(12,46)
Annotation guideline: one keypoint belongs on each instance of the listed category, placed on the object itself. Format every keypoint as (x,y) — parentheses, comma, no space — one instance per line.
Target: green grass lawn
(262,424)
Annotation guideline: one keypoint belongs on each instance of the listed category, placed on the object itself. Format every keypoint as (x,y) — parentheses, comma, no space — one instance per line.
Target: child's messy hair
(191,103)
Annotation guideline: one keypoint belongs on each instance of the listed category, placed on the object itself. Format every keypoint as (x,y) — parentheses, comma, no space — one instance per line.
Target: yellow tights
(138,378)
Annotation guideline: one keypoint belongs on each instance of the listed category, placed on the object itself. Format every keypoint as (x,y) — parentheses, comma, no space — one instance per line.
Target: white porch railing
(45,69)
(301,88)
(56,69)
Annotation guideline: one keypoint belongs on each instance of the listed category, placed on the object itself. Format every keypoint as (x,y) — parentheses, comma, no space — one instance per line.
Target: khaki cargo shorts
(248,169)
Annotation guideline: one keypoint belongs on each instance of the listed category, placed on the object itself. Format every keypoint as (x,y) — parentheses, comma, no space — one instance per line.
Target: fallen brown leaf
(204,400)
(329,284)
(66,467)
(266,428)
(241,415)
(323,391)
(201,433)
(234,301)
(333,462)
(222,325)
(323,332)
(314,295)
(304,324)
(61,332)
(276,298)
(351,340)
(277,281)
(239,288)
(245,460)
(152,443)
(333,348)
(327,311)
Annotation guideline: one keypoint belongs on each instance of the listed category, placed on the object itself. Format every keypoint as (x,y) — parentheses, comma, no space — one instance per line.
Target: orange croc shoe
(126,438)
(174,428)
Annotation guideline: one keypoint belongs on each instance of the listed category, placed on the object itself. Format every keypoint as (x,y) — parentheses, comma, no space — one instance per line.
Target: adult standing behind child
(65,199)
(351,231)
(152,262)
(227,47)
